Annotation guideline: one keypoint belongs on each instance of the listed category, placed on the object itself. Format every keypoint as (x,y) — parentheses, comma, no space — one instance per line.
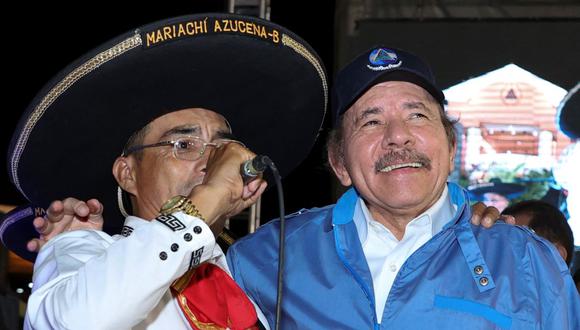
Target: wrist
(208,203)
(183,204)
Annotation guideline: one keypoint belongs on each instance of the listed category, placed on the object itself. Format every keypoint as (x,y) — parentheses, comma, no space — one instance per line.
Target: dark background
(460,49)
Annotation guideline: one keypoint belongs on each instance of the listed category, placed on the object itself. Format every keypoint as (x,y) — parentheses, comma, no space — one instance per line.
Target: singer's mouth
(390,168)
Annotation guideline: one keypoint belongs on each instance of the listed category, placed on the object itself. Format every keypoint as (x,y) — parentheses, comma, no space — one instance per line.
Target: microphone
(250,169)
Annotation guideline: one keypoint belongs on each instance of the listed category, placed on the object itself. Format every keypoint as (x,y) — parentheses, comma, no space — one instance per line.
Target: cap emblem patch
(383,59)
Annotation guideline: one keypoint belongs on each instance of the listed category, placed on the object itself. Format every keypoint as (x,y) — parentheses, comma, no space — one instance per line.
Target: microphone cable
(281,250)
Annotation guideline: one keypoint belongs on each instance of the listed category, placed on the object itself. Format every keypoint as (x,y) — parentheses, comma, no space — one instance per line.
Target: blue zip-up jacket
(465,277)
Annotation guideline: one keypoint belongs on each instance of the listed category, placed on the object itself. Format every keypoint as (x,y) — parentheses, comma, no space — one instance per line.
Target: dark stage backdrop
(461,49)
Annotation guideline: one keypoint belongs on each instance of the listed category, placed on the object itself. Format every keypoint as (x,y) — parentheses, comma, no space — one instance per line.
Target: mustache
(402,156)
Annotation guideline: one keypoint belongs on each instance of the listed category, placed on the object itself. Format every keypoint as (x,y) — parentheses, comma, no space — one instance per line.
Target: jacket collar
(349,249)
(344,209)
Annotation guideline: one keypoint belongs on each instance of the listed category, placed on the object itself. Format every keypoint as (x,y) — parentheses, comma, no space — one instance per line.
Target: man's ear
(124,173)
(336,161)
(452,157)
(562,250)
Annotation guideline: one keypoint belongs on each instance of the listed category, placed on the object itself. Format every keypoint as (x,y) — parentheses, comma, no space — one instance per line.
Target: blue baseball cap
(376,65)
(509,190)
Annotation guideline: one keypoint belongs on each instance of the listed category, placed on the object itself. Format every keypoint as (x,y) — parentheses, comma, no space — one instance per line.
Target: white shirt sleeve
(87,280)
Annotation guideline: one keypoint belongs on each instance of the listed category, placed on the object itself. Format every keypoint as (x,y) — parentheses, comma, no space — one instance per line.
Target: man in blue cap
(397,250)
(495,192)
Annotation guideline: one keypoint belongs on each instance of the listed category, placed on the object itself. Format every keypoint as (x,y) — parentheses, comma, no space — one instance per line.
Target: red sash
(211,300)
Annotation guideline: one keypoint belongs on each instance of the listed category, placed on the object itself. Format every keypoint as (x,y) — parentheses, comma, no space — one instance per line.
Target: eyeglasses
(186,148)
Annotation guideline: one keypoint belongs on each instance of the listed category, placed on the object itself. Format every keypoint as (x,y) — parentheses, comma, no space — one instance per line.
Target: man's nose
(201,163)
(397,134)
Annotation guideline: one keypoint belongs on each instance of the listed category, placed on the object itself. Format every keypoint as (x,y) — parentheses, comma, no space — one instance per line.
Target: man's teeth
(396,166)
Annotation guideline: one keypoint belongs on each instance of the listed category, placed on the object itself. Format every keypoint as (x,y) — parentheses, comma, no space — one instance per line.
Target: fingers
(251,188)
(70,206)
(91,210)
(66,215)
(490,216)
(95,207)
(69,214)
(260,191)
(96,214)
(43,226)
(73,206)
(476,212)
(223,164)
(55,211)
(509,219)
(34,245)
(232,150)
(257,193)
(484,215)
(223,180)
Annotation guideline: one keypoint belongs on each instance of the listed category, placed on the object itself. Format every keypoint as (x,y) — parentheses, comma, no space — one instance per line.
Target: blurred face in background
(496,200)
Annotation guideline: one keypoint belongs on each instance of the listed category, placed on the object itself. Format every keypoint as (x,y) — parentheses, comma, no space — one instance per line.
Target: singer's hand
(67,215)
(222,193)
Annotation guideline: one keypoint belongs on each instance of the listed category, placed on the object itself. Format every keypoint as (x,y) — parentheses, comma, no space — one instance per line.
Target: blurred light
(19,290)
(30,285)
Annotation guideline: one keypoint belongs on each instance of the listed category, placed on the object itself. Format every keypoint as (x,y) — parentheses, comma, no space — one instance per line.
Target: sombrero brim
(16,229)
(509,190)
(568,117)
(267,82)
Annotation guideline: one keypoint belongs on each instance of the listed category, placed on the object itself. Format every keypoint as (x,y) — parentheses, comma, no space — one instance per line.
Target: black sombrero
(568,116)
(509,190)
(16,229)
(269,84)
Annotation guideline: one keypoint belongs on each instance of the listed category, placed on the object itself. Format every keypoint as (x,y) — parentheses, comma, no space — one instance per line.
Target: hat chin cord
(120,202)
